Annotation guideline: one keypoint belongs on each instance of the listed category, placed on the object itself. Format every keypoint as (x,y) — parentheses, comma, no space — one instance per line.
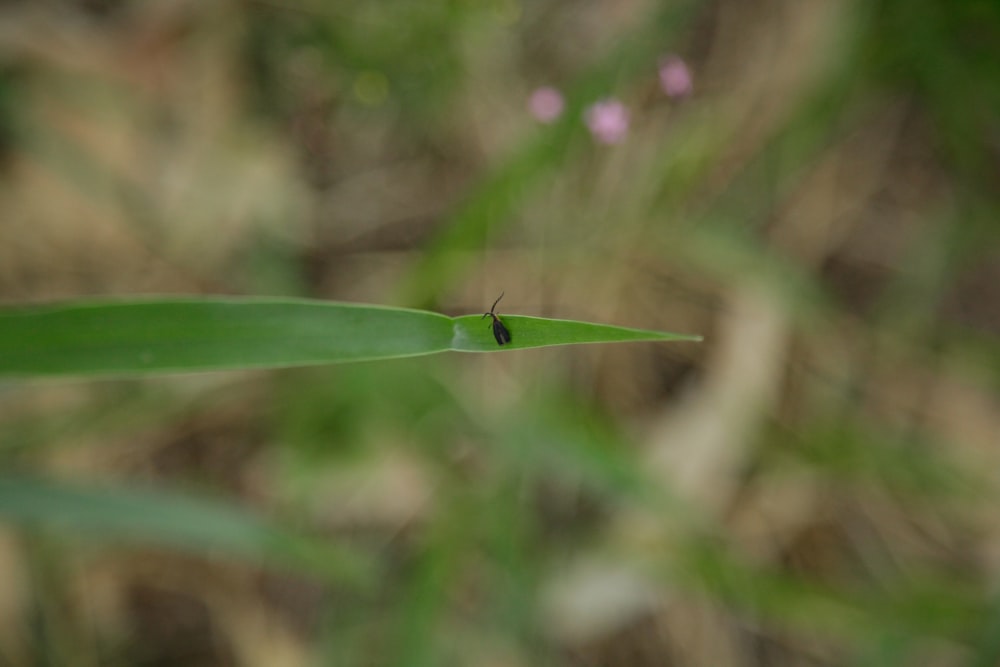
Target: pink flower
(546,104)
(675,77)
(607,121)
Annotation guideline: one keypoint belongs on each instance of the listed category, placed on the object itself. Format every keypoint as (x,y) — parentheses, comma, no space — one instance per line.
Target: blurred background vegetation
(815,484)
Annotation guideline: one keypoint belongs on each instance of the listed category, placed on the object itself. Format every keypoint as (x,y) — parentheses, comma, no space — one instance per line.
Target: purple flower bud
(546,104)
(675,77)
(607,121)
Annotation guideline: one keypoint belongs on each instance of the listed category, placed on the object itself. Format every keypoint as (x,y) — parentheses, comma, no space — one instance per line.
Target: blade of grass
(471,335)
(183,522)
(199,334)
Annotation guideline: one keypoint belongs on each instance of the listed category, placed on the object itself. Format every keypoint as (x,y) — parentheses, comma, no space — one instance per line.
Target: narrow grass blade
(472,335)
(183,522)
(209,334)
(200,334)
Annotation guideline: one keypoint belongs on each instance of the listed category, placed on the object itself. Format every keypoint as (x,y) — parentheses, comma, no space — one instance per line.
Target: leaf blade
(530,332)
(177,521)
(210,333)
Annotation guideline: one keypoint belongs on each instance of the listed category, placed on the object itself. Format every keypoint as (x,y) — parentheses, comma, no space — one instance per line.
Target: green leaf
(200,334)
(471,335)
(176,521)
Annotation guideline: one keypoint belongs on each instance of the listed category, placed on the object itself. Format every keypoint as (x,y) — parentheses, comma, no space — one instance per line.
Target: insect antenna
(493,307)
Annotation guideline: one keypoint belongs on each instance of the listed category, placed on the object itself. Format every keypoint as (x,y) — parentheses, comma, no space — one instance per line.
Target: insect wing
(500,332)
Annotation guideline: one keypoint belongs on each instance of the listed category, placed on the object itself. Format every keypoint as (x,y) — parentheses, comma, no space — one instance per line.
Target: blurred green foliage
(841,160)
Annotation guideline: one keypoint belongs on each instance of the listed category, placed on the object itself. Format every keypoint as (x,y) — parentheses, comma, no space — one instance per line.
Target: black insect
(499,330)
